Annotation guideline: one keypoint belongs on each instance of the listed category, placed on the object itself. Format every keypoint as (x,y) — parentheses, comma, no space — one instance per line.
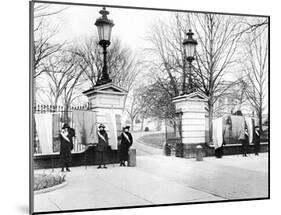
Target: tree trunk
(260,110)
(66,119)
(132,124)
(210,106)
(260,120)
(66,109)
(56,100)
(142,122)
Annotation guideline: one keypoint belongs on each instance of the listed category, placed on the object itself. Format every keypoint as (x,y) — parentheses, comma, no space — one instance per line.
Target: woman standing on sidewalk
(245,143)
(102,146)
(66,145)
(257,140)
(125,143)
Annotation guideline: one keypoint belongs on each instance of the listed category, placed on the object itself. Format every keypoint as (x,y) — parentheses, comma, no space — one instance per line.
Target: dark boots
(122,163)
(66,167)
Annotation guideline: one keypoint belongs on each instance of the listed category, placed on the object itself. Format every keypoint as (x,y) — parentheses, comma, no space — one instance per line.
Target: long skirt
(257,147)
(65,157)
(219,152)
(245,146)
(101,157)
(123,153)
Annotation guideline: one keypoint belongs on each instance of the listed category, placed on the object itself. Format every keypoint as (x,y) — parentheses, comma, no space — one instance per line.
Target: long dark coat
(102,145)
(245,144)
(124,146)
(65,149)
(257,141)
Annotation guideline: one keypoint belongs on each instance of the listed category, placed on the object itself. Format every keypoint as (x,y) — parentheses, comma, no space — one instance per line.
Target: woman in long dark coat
(66,146)
(126,140)
(102,146)
(256,140)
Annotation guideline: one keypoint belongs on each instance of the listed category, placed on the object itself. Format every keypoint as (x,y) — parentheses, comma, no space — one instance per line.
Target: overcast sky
(131,25)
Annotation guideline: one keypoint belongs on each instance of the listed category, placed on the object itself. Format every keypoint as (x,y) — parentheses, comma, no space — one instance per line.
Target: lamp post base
(103,81)
(189,91)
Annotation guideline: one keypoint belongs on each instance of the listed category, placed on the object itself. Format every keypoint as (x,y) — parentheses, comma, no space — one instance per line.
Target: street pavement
(143,149)
(159,179)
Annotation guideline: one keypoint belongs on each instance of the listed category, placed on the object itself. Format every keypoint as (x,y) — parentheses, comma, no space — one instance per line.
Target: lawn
(154,140)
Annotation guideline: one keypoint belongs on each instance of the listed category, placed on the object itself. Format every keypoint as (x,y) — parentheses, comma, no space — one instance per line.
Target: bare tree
(218,38)
(168,58)
(237,91)
(234,97)
(218,42)
(251,25)
(123,66)
(256,46)
(90,58)
(73,88)
(63,72)
(155,101)
(167,66)
(43,34)
(158,99)
(136,105)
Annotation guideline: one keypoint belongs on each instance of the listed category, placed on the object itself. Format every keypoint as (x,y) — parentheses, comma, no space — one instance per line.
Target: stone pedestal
(132,157)
(192,106)
(108,102)
(199,153)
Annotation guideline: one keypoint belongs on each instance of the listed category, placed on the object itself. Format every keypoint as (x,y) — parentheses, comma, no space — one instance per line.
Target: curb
(49,189)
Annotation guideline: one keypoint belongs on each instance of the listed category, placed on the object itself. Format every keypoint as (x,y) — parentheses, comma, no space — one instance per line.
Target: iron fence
(61,115)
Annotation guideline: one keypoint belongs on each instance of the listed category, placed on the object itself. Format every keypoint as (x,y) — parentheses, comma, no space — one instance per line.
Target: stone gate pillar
(107,101)
(192,106)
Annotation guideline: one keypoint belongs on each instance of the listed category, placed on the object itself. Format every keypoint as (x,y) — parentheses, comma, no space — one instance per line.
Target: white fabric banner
(44,128)
(250,128)
(217,132)
(112,130)
(85,126)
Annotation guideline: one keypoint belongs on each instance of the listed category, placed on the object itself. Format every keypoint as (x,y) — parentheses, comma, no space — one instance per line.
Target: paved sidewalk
(158,179)
(231,177)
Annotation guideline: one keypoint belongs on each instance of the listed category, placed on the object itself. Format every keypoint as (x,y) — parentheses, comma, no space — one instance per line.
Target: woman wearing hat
(102,146)
(125,143)
(66,145)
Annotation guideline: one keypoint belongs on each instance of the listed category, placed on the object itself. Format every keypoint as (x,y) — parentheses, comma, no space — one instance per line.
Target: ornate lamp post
(190,48)
(104,26)
(191,104)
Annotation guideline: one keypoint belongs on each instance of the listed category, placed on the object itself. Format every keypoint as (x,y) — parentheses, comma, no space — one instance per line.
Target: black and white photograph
(139,107)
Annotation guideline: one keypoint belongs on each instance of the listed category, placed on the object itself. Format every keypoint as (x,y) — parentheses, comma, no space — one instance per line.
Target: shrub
(42,181)
(146,129)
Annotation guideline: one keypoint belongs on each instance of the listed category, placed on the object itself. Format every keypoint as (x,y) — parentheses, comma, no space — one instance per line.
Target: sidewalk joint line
(54,203)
